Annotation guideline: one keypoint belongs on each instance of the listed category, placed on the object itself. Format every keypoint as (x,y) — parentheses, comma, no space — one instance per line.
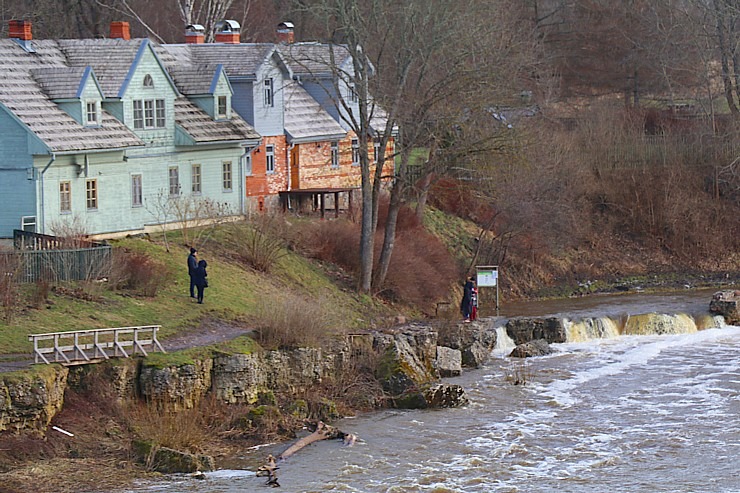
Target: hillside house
(96,135)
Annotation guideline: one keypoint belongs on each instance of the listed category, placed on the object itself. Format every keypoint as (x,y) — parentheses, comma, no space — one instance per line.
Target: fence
(89,346)
(40,257)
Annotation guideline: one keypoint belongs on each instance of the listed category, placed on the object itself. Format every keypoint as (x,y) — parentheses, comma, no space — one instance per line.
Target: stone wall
(412,360)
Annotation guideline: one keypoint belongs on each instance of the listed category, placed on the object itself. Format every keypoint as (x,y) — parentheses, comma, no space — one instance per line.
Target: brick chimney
(20,29)
(285,33)
(228,32)
(120,30)
(195,34)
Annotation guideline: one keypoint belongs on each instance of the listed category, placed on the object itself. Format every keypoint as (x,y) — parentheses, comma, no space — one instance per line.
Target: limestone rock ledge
(412,361)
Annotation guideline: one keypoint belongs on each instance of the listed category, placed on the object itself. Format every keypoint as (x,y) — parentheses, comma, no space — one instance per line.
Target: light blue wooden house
(96,135)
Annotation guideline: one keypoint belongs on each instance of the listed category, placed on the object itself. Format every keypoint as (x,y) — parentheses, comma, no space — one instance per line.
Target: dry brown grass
(291,321)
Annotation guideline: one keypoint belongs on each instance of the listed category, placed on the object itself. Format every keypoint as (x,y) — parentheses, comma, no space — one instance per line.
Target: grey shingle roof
(192,80)
(59,82)
(23,96)
(109,58)
(305,119)
(239,60)
(203,129)
(314,58)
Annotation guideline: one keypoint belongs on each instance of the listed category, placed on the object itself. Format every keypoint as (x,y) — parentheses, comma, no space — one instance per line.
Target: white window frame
(65,197)
(268,93)
(227,176)
(270,158)
(355,152)
(248,164)
(222,107)
(334,154)
(28,224)
(196,179)
(148,81)
(149,114)
(92,113)
(137,190)
(351,93)
(173,176)
(91,194)
(376,151)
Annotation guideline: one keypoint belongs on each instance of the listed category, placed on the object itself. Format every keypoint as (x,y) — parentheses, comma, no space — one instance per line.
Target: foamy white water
(622,414)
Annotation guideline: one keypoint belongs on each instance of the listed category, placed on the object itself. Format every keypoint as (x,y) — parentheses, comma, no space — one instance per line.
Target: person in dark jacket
(200,276)
(466,306)
(192,265)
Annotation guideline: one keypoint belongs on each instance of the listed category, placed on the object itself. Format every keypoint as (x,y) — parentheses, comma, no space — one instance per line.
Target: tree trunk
(323,432)
(421,202)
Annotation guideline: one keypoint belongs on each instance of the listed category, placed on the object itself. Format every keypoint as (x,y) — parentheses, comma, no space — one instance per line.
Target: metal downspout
(43,211)
(290,174)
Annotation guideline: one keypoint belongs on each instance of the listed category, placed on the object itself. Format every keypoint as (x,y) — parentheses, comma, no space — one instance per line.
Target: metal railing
(90,346)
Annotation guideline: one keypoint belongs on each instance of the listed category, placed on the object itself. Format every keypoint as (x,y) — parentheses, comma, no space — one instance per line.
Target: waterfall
(504,343)
(591,328)
(643,324)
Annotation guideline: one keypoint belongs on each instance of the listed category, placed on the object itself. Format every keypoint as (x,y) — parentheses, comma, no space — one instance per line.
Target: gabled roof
(202,129)
(114,60)
(22,95)
(315,59)
(238,60)
(197,80)
(64,82)
(306,120)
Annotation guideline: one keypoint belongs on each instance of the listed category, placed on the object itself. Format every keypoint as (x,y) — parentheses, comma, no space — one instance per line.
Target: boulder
(170,461)
(449,362)
(523,330)
(539,347)
(475,342)
(439,395)
(726,303)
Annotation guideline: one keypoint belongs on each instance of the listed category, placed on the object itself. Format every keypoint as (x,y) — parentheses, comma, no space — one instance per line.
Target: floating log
(270,470)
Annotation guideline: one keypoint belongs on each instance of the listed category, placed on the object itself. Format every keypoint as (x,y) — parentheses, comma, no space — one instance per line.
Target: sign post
(487,276)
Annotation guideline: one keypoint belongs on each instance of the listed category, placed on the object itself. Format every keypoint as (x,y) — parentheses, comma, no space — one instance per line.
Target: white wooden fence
(90,346)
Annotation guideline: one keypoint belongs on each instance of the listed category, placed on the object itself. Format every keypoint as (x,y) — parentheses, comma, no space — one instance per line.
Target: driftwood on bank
(322,431)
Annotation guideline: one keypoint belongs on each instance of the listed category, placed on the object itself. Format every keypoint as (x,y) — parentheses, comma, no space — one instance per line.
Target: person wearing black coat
(466,306)
(192,265)
(201,282)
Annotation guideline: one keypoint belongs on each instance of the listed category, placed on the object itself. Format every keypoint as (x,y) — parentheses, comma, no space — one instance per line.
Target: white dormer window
(148,81)
(222,107)
(351,93)
(92,113)
(269,99)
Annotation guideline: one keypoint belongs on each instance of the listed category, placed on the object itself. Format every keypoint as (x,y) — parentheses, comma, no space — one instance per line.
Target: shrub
(137,272)
(290,322)
(261,242)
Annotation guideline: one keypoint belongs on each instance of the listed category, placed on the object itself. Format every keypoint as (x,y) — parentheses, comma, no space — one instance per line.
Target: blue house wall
(17,187)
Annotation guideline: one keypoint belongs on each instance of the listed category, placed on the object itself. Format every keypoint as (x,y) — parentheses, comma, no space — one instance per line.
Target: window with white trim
(148,81)
(196,179)
(65,197)
(376,151)
(149,113)
(269,96)
(28,224)
(91,112)
(270,159)
(137,191)
(227,176)
(222,107)
(174,177)
(335,154)
(248,164)
(91,194)
(355,152)
(352,93)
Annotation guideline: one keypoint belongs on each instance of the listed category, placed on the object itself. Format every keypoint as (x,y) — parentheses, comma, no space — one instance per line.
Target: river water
(637,413)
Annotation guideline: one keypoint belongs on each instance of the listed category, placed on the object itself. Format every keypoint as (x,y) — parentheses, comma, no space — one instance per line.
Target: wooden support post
(336,204)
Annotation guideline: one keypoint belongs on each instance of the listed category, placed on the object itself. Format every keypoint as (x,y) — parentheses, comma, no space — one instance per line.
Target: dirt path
(210,331)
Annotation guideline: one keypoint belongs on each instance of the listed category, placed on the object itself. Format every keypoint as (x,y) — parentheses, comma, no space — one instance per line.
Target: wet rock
(538,347)
(449,362)
(523,330)
(445,395)
(726,303)
(170,461)
(474,341)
